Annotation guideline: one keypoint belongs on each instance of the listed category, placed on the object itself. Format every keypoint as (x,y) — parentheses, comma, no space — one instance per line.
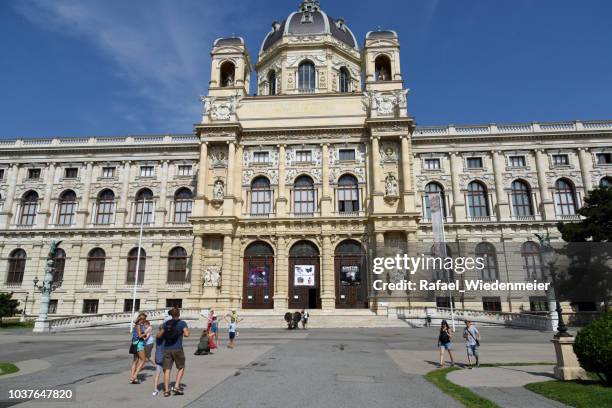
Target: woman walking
(138,346)
(444,343)
(149,341)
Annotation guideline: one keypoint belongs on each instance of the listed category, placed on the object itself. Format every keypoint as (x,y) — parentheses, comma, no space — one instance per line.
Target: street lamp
(47,287)
(549,257)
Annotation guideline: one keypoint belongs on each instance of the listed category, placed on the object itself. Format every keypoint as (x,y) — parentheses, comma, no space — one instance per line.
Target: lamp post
(549,257)
(48,286)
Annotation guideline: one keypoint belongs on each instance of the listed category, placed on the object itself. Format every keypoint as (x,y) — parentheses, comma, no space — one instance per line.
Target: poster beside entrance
(304,275)
(349,275)
(259,276)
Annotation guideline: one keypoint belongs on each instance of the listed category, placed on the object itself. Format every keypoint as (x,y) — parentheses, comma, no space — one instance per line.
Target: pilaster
(407,182)
(458,199)
(326,198)
(83,210)
(503,209)
(281,202)
(42,219)
(586,165)
(228,204)
(281,288)
(548,207)
(200,199)
(7,214)
(122,212)
(328,298)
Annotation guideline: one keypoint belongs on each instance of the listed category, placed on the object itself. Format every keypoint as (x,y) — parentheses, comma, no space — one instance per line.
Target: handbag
(133,349)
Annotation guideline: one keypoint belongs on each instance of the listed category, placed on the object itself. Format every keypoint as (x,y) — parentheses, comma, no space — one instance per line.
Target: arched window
(521,199)
(382,68)
(605,182)
(565,197)
(272,83)
(29,208)
(177,265)
(348,194)
(228,74)
(144,207)
(532,261)
(433,188)
(96,260)
(345,80)
(106,207)
(67,208)
(261,196)
(303,195)
(131,270)
(486,251)
(183,203)
(478,203)
(60,263)
(16,267)
(306,77)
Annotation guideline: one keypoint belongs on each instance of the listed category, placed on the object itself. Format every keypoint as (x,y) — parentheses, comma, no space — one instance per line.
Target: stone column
(7,211)
(503,210)
(458,199)
(282,275)
(236,291)
(196,265)
(375,154)
(586,165)
(83,210)
(238,180)
(161,211)
(547,207)
(326,198)
(44,213)
(281,201)
(226,269)
(122,211)
(407,189)
(228,204)
(328,289)
(200,198)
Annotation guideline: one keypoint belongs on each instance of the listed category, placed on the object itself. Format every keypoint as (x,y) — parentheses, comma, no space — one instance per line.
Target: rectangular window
(53,306)
(108,172)
(604,158)
(444,302)
(346,154)
(184,170)
(1,174)
(560,159)
(432,164)
(260,157)
(303,156)
(71,172)
(538,304)
(491,304)
(516,161)
(33,174)
(90,306)
(474,162)
(127,305)
(178,303)
(146,171)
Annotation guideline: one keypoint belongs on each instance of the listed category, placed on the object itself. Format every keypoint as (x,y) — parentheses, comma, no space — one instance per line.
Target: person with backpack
(444,342)
(172,333)
(472,342)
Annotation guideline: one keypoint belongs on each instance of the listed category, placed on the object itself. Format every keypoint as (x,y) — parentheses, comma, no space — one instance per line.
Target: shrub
(593,347)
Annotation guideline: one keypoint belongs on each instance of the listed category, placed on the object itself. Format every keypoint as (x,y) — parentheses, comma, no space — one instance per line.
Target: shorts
(232,335)
(472,350)
(159,368)
(174,356)
(214,329)
(148,348)
(304,321)
(446,346)
(140,345)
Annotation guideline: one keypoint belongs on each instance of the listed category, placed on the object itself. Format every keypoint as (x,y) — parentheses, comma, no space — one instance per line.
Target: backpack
(443,338)
(171,332)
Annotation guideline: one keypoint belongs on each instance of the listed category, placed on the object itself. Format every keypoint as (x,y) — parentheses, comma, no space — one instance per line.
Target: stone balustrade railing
(116,319)
(102,140)
(519,320)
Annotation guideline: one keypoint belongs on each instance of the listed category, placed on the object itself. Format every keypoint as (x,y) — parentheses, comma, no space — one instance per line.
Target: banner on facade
(259,275)
(304,275)
(349,275)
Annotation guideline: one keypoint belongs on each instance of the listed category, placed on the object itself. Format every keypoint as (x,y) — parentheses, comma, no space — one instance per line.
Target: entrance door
(258,284)
(351,276)
(304,276)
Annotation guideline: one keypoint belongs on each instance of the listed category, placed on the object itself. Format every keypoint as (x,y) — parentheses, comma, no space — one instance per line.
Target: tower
(381,61)
(230,72)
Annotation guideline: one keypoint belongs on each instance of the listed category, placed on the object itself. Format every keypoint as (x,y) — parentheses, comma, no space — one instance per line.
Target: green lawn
(8,368)
(461,394)
(591,394)
(13,324)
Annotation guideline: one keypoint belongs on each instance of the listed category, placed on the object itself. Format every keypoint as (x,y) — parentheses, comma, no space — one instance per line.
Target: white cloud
(160,48)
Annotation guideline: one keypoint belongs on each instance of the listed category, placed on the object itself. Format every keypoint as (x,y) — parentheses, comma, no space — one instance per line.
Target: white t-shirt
(306,315)
(472,334)
(232,327)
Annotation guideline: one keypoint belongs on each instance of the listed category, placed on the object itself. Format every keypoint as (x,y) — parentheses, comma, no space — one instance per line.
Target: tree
(8,305)
(588,276)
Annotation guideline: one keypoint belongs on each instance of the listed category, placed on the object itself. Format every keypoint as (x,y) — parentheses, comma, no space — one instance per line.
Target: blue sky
(115,67)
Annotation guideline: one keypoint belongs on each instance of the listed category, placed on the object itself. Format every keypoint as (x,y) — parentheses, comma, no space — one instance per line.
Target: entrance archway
(350,275)
(304,276)
(258,283)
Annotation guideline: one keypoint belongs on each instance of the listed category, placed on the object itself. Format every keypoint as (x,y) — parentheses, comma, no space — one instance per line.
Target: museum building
(280,200)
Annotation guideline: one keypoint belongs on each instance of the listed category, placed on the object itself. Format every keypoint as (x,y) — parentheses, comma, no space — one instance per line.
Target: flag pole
(142,216)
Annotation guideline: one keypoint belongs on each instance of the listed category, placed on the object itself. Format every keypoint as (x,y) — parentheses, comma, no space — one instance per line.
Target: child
(214,328)
(232,334)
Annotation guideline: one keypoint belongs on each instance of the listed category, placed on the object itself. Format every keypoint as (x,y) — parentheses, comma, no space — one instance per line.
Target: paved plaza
(273,368)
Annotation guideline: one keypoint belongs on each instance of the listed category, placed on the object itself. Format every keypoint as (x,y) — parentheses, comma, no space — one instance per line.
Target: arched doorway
(351,275)
(304,276)
(258,286)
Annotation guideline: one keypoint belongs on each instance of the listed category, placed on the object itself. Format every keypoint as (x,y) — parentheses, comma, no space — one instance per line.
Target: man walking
(172,333)
(472,342)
